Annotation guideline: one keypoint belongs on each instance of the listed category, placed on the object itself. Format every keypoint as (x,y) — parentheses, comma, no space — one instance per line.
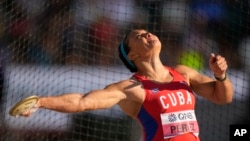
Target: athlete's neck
(153,70)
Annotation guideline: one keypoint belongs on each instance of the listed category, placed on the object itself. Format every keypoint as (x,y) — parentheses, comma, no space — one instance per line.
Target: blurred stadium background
(49,47)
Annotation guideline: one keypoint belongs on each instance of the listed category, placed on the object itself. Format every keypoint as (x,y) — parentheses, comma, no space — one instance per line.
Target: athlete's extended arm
(76,102)
(220,92)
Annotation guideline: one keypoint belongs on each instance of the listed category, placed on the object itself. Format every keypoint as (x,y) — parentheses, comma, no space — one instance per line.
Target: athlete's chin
(156,45)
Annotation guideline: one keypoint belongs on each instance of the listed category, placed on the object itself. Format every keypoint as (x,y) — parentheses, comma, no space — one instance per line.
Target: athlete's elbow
(75,104)
(229,98)
(225,101)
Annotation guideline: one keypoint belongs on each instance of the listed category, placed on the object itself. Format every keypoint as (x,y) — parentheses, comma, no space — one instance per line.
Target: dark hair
(123,52)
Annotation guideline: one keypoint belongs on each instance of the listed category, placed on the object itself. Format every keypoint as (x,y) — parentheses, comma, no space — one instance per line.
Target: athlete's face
(143,42)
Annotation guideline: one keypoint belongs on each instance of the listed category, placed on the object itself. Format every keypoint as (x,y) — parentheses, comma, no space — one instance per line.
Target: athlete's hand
(29,112)
(218,65)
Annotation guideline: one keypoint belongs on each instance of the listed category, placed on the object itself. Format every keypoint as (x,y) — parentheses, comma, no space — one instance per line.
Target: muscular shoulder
(132,88)
(182,68)
(189,73)
(134,96)
(194,77)
(124,86)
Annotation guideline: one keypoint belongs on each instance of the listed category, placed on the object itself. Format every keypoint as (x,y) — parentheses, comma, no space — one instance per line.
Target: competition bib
(177,123)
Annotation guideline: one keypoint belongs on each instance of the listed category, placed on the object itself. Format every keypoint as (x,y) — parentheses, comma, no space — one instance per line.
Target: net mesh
(62,46)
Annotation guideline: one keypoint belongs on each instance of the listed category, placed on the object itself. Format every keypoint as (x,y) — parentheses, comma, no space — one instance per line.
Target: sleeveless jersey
(167,113)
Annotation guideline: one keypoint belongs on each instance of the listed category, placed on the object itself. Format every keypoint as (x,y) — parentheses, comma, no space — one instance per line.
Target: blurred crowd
(89,31)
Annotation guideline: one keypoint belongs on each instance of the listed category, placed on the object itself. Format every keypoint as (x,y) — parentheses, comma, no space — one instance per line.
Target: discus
(23,105)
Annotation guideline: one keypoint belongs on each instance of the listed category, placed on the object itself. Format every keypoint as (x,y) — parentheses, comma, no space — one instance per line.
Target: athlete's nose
(148,35)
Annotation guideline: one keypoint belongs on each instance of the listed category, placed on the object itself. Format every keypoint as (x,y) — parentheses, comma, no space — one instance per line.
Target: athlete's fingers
(28,112)
(217,64)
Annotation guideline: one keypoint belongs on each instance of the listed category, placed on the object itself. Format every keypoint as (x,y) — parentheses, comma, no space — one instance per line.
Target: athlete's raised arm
(218,90)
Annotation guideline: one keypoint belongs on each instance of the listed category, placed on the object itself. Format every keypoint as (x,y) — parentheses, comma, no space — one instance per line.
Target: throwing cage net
(62,46)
